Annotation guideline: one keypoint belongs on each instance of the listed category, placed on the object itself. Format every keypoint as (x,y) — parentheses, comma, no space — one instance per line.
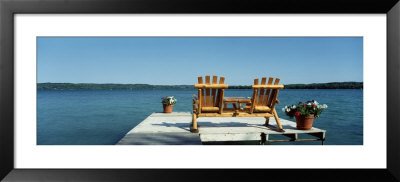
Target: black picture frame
(8,8)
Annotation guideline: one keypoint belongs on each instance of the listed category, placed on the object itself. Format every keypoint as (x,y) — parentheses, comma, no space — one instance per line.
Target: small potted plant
(305,112)
(168,103)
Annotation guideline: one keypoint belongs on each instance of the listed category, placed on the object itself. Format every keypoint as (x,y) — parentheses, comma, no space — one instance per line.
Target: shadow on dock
(161,139)
(183,126)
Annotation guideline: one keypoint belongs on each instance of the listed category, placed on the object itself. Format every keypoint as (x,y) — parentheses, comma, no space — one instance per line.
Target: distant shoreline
(95,86)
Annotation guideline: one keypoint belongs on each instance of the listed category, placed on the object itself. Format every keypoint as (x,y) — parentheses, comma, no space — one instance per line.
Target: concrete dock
(174,129)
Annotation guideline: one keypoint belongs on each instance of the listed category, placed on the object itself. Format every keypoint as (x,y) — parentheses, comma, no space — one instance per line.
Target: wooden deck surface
(174,129)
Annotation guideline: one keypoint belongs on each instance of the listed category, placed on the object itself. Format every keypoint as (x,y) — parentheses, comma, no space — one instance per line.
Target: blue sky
(180,60)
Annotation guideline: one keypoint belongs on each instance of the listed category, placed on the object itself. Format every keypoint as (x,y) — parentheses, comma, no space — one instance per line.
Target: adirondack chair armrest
(211,86)
(267,86)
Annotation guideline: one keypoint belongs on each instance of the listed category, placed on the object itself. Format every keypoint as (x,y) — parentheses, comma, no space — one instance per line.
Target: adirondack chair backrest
(265,94)
(211,93)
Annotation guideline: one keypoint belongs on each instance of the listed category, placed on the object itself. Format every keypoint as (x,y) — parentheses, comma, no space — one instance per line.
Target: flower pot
(304,122)
(168,108)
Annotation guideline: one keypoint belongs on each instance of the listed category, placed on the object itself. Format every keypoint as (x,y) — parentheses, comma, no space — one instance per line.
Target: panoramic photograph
(199,91)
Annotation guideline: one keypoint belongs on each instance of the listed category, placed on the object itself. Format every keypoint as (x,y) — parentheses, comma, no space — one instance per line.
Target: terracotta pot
(304,122)
(168,108)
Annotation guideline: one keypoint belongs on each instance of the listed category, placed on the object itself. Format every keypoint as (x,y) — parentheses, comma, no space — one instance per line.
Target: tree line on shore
(332,85)
(94,86)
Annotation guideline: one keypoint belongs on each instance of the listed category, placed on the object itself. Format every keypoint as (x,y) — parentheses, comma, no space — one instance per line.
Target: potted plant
(168,103)
(305,112)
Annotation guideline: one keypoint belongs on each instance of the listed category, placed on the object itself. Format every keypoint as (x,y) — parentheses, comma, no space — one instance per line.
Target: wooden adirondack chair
(210,101)
(210,98)
(265,96)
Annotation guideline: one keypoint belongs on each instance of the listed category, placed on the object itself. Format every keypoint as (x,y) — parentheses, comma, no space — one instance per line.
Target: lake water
(103,117)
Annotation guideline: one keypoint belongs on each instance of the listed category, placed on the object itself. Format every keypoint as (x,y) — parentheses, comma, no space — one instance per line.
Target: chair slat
(260,100)
(270,79)
(255,95)
(218,99)
(273,96)
(200,79)
(221,92)
(208,102)
(214,81)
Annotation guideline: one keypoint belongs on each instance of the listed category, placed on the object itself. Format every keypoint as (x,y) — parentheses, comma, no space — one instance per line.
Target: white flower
(294,107)
(169,100)
(309,104)
(315,102)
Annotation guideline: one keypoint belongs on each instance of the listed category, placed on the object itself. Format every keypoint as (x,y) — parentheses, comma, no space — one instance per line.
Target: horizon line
(192,84)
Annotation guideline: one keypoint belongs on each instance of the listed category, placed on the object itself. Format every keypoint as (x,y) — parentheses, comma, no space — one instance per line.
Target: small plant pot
(304,122)
(168,108)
